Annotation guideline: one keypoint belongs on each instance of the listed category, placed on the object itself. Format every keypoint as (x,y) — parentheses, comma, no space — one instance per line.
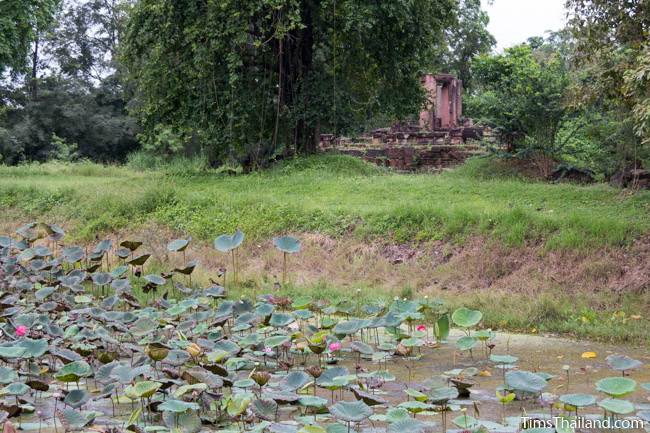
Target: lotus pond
(92,342)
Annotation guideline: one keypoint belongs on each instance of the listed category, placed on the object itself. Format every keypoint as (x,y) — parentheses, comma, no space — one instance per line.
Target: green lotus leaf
(143,326)
(177,406)
(355,411)
(466,422)
(146,388)
(7,375)
(347,327)
(616,386)
(361,347)
(178,245)
(101,278)
(441,395)
(76,398)
(578,400)
(412,342)
(503,359)
(276,340)
(287,244)
(16,388)
(238,403)
(416,395)
(415,406)
(43,293)
(33,348)
(75,420)
(73,371)
(313,401)
(266,409)
(466,343)
(295,380)
(244,383)
(155,279)
(617,406)
(397,414)
(184,422)
(409,425)
(184,389)
(9,352)
(226,243)
(280,320)
(485,335)
(441,328)
(466,318)
(622,363)
(525,381)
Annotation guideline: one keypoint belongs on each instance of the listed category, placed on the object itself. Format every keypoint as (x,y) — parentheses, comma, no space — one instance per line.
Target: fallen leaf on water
(485,373)
(589,355)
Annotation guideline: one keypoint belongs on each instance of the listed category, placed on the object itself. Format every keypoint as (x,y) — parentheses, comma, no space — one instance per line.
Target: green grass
(330,194)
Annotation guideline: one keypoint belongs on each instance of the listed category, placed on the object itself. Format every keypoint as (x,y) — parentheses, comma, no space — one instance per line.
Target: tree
(520,93)
(249,80)
(468,39)
(20,23)
(612,46)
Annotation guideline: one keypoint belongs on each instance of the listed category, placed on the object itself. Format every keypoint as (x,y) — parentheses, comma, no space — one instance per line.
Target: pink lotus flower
(268,350)
(21,331)
(421,328)
(334,347)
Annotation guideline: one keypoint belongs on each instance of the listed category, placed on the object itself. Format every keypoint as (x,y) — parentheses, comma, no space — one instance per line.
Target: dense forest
(242,83)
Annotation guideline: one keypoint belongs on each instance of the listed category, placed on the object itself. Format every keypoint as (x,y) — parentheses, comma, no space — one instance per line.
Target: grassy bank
(332,195)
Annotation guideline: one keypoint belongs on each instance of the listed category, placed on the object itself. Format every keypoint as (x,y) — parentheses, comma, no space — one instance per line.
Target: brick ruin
(442,138)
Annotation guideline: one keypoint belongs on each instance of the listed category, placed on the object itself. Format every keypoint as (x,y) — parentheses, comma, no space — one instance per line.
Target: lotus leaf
(616,386)
(617,406)
(226,243)
(184,422)
(578,400)
(73,371)
(466,343)
(622,363)
(77,398)
(178,245)
(347,411)
(287,244)
(266,409)
(466,318)
(525,381)
(280,320)
(238,403)
(177,406)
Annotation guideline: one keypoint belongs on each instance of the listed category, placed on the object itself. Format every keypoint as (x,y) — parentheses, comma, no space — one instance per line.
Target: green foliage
(20,23)
(247,82)
(520,94)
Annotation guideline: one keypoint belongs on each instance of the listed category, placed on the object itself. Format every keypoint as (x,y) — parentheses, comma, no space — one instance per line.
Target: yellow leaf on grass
(635,317)
(589,355)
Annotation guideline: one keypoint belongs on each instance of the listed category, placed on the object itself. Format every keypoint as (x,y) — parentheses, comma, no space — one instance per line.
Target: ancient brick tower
(444,102)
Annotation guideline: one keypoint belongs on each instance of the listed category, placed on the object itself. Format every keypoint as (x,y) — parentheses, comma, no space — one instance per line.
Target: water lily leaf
(525,381)
(617,406)
(287,244)
(622,363)
(466,318)
(347,327)
(177,406)
(266,409)
(441,328)
(33,348)
(578,400)
(397,414)
(347,411)
(101,278)
(276,340)
(616,386)
(73,371)
(416,395)
(44,293)
(361,347)
(184,389)
(227,242)
(178,245)
(10,352)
